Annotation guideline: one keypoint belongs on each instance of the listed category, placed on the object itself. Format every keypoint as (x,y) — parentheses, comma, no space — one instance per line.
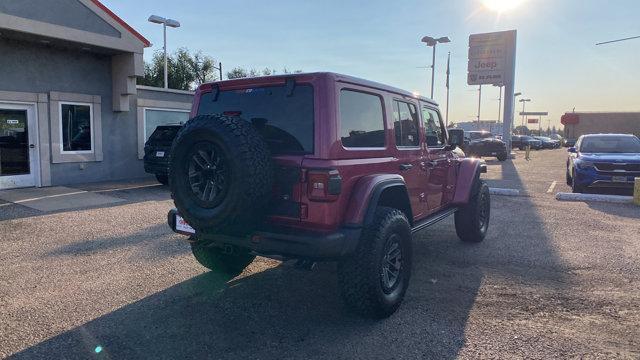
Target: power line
(618,40)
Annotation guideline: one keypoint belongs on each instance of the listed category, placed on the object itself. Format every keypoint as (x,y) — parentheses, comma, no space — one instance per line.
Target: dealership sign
(491,58)
(532,121)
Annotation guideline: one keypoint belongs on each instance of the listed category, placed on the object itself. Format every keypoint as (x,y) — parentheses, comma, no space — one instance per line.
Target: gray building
(70,110)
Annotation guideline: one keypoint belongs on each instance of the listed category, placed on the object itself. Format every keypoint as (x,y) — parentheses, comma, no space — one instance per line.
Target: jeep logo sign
(489,58)
(491,64)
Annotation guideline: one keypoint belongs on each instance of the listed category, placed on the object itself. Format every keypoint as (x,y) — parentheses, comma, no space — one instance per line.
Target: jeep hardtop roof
(273,79)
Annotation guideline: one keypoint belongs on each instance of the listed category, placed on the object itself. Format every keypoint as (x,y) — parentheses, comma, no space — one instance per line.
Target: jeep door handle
(405,167)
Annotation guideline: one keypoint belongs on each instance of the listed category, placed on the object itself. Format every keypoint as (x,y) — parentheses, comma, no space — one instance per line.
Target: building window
(157,117)
(76,128)
(361,120)
(405,124)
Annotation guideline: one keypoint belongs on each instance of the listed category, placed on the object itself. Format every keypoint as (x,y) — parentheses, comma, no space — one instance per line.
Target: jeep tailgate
(287,187)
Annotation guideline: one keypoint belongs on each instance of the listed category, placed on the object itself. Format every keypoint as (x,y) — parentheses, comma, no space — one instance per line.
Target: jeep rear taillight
(323,185)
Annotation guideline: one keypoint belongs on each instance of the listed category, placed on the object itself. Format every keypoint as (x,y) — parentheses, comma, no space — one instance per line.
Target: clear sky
(558,64)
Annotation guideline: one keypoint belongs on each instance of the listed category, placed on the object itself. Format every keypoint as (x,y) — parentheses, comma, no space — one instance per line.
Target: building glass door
(17,146)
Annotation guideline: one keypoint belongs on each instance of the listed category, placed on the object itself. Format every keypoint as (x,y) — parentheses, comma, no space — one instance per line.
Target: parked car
(483,143)
(157,151)
(522,141)
(603,161)
(548,143)
(569,142)
(558,137)
(259,170)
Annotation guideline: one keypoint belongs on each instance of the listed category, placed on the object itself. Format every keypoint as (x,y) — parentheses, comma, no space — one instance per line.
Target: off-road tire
(472,220)
(502,157)
(360,276)
(162,179)
(214,259)
(244,155)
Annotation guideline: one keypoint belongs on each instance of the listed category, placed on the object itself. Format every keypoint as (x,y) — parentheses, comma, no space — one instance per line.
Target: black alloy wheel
(209,174)
(391,270)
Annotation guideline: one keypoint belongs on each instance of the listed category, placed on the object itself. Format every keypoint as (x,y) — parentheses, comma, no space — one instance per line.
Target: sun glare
(501,5)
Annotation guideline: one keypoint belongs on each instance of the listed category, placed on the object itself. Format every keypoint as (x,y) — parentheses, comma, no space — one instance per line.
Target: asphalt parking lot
(552,279)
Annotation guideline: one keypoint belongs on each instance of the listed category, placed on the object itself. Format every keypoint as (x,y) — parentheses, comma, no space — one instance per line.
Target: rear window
(283,117)
(164,133)
(361,120)
(610,144)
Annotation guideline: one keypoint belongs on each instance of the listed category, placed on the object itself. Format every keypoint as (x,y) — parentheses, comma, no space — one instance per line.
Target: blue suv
(603,161)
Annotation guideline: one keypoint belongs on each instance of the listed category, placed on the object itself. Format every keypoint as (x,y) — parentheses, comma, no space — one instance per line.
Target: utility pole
(499,103)
(220,69)
(479,102)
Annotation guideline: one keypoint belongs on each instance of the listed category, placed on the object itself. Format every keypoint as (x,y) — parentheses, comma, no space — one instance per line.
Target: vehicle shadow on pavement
(148,241)
(284,312)
(625,210)
(281,312)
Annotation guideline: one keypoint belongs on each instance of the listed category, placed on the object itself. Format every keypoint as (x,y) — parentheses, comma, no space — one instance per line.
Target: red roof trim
(122,22)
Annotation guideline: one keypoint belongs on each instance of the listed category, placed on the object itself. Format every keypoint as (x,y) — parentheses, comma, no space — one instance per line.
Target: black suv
(483,143)
(157,151)
(521,142)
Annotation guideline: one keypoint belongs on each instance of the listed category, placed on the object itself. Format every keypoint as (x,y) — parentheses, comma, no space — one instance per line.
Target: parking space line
(128,188)
(551,187)
(45,197)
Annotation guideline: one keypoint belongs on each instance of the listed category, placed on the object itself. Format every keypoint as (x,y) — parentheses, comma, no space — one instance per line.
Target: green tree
(185,70)
(239,72)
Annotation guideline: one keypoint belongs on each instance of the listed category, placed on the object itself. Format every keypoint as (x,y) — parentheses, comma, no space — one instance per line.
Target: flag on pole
(448,70)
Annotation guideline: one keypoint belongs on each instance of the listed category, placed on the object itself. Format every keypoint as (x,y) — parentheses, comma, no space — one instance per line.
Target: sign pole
(509,91)
(479,102)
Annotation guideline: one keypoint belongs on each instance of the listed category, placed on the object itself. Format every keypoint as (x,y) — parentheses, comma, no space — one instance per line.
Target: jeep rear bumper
(285,242)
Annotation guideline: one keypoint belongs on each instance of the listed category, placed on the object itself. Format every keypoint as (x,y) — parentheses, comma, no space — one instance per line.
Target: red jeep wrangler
(321,166)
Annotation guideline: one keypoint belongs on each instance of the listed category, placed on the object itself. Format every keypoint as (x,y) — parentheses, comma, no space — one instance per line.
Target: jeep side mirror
(456,138)
(572,150)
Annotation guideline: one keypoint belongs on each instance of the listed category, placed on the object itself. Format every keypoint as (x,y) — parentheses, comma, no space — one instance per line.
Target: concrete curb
(506,192)
(615,199)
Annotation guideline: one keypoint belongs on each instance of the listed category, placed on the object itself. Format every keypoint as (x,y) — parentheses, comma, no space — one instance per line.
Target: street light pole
(170,23)
(166,72)
(523,101)
(515,95)
(433,68)
(433,42)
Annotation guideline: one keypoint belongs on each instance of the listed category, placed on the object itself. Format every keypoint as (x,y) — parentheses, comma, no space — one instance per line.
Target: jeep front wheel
(216,259)
(472,220)
(374,279)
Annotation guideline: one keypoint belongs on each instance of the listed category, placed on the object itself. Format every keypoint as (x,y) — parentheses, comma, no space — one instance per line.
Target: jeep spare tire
(220,174)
